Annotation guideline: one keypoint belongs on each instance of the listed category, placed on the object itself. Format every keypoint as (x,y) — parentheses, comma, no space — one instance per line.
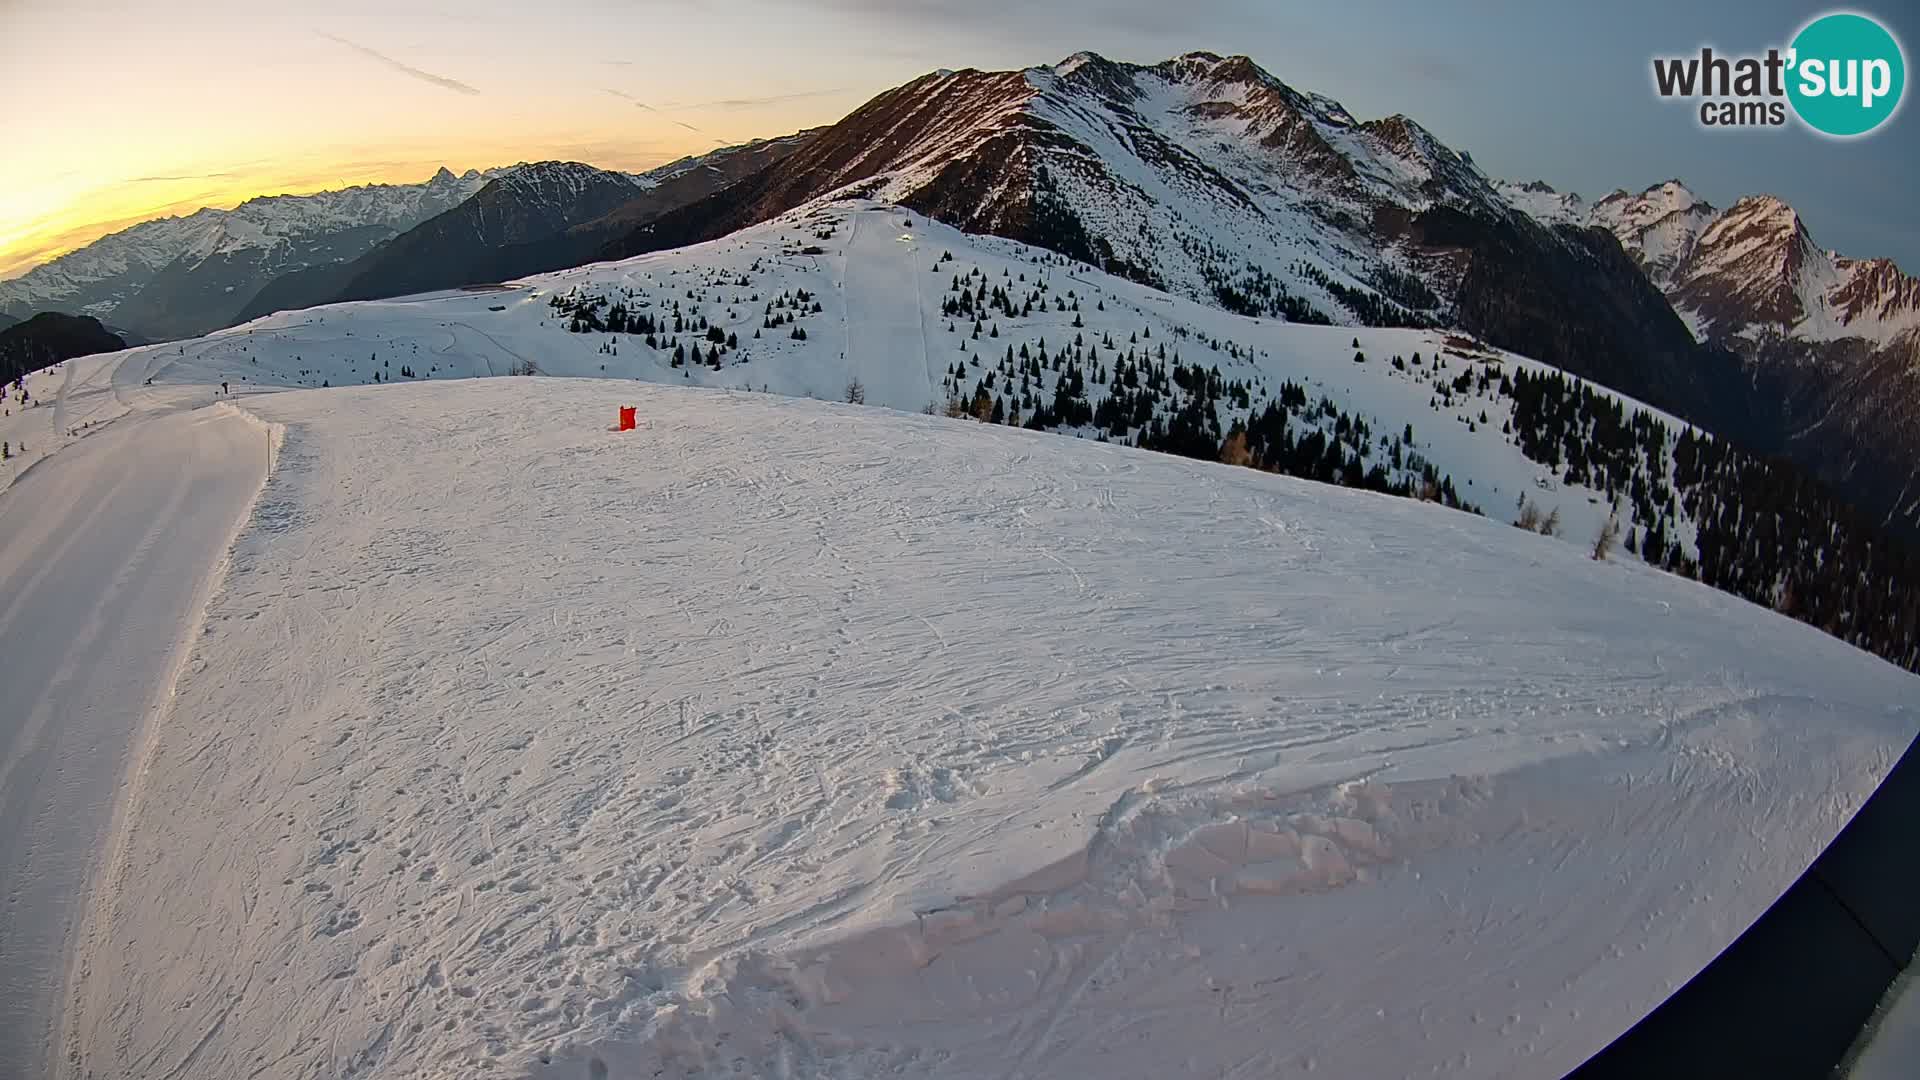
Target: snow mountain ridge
(533,220)
(184,275)
(95,279)
(1830,345)
(1202,175)
(1744,273)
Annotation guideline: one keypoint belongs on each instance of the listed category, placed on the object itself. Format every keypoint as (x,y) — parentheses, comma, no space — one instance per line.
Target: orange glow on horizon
(29,239)
(208,103)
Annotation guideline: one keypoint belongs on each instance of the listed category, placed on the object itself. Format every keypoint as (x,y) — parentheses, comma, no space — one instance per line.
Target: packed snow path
(886,333)
(783,738)
(106,549)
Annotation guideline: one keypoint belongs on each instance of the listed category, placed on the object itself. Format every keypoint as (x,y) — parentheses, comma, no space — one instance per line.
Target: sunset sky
(129,110)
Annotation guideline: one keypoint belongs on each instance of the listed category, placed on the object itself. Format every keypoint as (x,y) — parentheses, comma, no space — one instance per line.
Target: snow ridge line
(104,884)
(276,435)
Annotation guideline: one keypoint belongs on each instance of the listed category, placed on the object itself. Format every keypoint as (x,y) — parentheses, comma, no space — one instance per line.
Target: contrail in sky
(424,76)
(638,104)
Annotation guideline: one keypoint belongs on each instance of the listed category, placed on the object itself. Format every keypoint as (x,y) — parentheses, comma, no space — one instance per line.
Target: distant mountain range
(1204,176)
(180,276)
(184,276)
(529,219)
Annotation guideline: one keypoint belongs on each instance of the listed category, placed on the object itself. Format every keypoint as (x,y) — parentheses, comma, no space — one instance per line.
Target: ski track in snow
(886,334)
(781,738)
(105,552)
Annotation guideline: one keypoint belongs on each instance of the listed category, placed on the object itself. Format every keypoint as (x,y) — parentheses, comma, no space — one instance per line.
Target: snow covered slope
(1212,179)
(788,738)
(884,281)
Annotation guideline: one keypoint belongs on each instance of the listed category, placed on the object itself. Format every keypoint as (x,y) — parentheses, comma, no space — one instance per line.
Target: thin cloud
(408,69)
(638,104)
(1020,19)
(189,176)
(1434,68)
(757,102)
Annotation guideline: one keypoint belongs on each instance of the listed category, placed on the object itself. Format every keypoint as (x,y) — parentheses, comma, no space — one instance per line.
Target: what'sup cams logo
(1843,75)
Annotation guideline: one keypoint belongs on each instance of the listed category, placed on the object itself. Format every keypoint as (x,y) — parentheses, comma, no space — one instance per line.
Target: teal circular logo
(1846,76)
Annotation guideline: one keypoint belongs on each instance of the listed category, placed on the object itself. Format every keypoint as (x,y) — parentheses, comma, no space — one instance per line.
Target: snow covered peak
(1659,226)
(1662,198)
(1217,68)
(1403,136)
(1203,174)
(564,179)
(1077,61)
(1749,273)
(1540,201)
(1623,214)
(1767,213)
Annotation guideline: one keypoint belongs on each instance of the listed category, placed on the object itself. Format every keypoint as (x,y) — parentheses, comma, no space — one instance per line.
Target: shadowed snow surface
(783,738)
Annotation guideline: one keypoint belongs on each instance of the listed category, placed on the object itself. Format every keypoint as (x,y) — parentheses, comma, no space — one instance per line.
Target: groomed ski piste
(790,737)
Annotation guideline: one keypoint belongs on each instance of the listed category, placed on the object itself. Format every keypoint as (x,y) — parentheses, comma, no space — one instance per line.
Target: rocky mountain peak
(1877,291)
